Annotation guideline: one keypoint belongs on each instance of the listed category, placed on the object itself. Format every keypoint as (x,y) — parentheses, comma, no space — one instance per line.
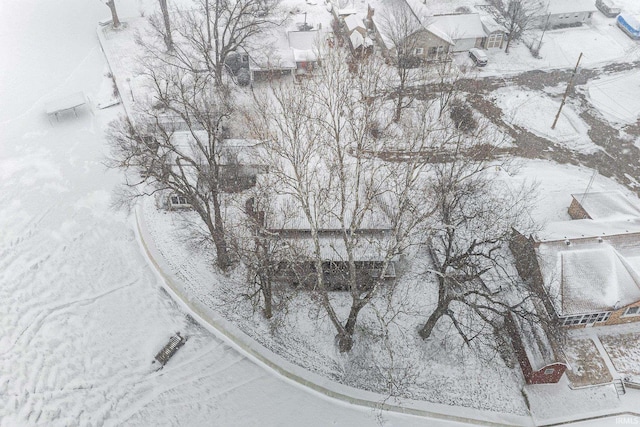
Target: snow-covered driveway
(81,314)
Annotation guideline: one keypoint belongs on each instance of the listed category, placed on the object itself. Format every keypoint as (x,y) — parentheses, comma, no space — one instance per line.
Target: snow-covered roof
(556,7)
(630,19)
(332,248)
(611,205)
(535,343)
(585,228)
(288,215)
(353,21)
(304,44)
(589,275)
(456,26)
(491,25)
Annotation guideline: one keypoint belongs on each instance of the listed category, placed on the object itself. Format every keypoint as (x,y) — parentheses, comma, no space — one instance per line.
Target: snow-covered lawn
(624,351)
(438,371)
(558,402)
(617,96)
(536,111)
(586,367)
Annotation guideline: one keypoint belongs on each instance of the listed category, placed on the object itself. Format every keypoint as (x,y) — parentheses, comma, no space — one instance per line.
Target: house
(284,218)
(566,13)
(423,44)
(286,53)
(436,36)
(356,31)
(464,29)
(354,23)
(292,48)
(587,268)
(537,355)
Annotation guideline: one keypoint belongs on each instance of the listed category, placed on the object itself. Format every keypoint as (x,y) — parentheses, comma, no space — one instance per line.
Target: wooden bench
(170,348)
(69,102)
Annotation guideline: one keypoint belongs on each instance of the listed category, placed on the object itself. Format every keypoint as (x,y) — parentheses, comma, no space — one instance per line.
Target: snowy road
(81,314)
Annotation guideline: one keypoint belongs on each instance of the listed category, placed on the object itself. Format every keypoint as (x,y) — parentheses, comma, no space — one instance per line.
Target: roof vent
(600,240)
(567,242)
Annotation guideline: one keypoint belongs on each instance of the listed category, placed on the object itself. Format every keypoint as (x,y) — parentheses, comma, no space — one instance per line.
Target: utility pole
(566,92)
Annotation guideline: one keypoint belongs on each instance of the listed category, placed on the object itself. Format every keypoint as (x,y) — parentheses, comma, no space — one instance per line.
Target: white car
(478,56)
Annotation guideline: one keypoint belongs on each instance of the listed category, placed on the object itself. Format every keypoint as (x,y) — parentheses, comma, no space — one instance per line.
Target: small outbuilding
(536,354)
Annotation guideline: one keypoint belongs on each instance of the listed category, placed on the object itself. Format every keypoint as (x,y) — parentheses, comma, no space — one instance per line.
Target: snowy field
(81,314)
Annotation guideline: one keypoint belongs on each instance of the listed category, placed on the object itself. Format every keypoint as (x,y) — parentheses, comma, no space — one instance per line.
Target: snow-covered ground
(617,97)
(536,112)
(81,313)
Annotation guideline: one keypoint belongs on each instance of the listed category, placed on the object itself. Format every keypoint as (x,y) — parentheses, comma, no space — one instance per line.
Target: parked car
(608,8)
(478,56)
(629,24)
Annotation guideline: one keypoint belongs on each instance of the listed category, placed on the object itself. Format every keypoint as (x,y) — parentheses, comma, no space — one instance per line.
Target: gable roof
(589,276)
(608,205)
(353,21)
(555,7)
(457,26)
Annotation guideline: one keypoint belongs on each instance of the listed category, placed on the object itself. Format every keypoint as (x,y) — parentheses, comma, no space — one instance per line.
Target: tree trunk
(398,113)
(168,39)
(506,49)
(207,13)
(345,337)
(222,252)
(441,310)
(114,13)
(268,298)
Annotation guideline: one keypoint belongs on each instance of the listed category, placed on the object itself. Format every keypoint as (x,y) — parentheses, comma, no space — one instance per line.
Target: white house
(560,13)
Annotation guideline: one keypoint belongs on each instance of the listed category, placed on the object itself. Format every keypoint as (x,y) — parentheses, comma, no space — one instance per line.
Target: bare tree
(262,251)
(168,39)
(173,144)
(115,21)
(323,140)
(469,233)
(204,37)
(518,16)
(402,29)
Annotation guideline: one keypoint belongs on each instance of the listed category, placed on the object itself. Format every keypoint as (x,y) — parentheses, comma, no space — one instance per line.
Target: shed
(535,352)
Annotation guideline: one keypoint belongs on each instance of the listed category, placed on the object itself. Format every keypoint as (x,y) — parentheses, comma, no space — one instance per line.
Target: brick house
(588,268)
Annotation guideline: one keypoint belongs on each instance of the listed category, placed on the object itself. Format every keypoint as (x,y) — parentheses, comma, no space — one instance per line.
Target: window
(494,40)
(632,311)
(584,319)
(418,51)
(549,371)
(177,201)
